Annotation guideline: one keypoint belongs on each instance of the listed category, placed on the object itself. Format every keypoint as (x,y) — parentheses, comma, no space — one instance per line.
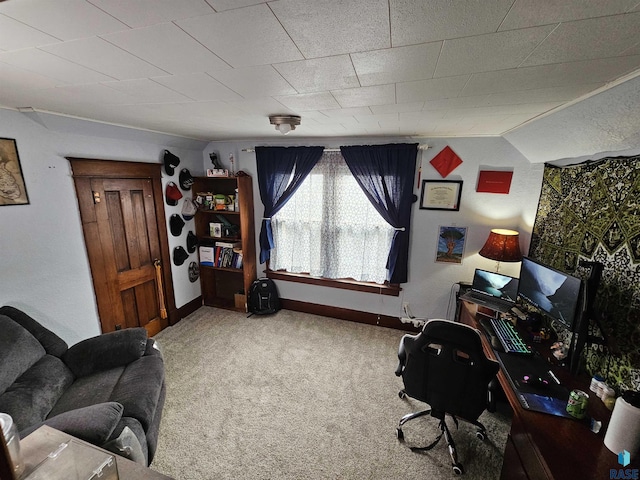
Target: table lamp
(502,246)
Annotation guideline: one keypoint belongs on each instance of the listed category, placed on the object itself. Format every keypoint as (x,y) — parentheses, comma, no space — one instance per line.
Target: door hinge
(96,197)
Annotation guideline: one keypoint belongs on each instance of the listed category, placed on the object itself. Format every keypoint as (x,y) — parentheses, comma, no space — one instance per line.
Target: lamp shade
(502,246)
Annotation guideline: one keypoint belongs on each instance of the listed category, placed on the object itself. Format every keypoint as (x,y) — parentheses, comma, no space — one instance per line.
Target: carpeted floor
(299,396)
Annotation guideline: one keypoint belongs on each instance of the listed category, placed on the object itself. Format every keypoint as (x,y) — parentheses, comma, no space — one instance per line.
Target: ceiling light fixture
(284,123)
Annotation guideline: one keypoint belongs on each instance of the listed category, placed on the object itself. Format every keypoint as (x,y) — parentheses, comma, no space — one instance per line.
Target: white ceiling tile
(95,94)
(198,86)
(400,64)
(64,19)
(309,101)
(15,35)
(634,50)
(221,5)
(456,103)
(397,108)
(320,74)
(243,37)
(262,106)
(147,91)
(527,13)
(103,57)
(365,96)
(552,94)
(321,28)
(18,78)
(49,65)
(418,21)
(433,89)
(142,13)
(494,51)
(584,40)
(254,82)
(338,113)
(167,47)
(545,76)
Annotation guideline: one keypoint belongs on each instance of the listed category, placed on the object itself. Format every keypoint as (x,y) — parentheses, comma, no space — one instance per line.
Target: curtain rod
(251,150)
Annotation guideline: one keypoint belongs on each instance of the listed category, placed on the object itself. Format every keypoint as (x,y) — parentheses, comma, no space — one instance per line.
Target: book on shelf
(226,257)
(229,244)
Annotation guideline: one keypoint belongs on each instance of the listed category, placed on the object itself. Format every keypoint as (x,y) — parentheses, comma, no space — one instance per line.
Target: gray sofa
(108,390)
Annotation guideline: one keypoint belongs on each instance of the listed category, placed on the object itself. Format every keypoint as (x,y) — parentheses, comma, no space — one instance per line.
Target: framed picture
(12,188)
(451,241)
(441,195)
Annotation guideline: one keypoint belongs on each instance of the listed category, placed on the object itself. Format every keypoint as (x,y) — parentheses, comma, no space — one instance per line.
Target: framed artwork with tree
(451,242)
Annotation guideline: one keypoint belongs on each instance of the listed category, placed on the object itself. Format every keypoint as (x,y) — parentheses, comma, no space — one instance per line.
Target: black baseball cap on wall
(176,224)
(170,162)
(186,180)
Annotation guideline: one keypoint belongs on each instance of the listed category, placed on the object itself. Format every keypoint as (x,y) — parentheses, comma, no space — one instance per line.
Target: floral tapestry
(591,212)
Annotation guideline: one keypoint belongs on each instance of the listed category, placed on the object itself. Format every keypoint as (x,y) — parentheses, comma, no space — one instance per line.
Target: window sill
(343,283)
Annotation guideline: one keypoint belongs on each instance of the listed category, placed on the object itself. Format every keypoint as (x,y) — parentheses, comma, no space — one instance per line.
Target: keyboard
(510,339)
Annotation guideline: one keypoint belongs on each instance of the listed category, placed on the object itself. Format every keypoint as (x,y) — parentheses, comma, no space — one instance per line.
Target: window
(330,229)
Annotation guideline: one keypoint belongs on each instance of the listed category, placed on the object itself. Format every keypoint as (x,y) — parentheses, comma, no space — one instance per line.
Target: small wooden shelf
(221,284)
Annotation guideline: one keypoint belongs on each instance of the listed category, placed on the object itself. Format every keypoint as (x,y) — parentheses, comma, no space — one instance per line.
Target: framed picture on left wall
(13,190)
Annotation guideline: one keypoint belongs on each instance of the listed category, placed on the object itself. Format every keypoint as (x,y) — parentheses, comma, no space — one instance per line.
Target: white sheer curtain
(329,228)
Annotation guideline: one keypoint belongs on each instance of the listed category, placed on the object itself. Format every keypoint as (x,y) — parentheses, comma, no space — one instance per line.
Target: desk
(36,446)
(541,446)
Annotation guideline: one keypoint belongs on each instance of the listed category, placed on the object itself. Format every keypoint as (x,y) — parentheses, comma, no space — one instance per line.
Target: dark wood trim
(186,309)
(347,314)
(343,283)
(94,167)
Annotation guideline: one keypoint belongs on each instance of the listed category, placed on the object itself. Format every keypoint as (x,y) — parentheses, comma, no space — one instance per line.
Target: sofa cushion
(51,342)
(106,351)
(32,396)
(89,390)
(138,390)
(93,424)
(19,350)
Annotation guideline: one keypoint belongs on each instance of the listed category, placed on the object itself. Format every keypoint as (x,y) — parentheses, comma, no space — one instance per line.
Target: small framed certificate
(441,195)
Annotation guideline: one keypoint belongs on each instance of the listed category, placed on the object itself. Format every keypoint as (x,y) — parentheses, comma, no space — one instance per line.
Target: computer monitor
(555,293)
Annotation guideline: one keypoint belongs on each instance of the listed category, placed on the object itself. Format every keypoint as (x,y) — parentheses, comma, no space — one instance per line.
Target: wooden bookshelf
(221,284)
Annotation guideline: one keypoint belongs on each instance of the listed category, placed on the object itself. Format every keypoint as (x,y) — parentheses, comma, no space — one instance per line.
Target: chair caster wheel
(481,435)
(457,469)
(401,394)
(399,434)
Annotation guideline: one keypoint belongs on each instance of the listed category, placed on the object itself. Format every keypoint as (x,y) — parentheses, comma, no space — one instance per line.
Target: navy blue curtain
(386,173)
(281,170)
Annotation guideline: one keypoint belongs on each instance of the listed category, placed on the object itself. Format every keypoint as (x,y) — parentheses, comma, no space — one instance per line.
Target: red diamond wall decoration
(446,161)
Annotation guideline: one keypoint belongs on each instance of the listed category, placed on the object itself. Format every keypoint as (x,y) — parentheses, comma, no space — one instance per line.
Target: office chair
(444,366)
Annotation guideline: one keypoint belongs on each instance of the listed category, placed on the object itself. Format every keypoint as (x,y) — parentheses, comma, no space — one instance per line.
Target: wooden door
(126,248)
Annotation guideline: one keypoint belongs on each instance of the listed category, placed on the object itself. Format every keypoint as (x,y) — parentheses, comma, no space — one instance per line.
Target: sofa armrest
(106,351)
(93,424)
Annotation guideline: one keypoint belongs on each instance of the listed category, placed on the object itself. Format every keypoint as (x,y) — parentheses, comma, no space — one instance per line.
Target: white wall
(428,291)
(43,259)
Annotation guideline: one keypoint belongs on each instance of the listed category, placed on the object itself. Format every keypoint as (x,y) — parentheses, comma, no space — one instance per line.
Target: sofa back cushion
(19,350)
(51,342)
(32,396)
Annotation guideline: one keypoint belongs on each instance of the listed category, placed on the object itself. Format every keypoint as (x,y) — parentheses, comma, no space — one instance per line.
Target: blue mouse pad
(543,404)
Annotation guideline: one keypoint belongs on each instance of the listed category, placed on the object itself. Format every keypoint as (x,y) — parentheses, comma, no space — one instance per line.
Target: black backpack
(263,297)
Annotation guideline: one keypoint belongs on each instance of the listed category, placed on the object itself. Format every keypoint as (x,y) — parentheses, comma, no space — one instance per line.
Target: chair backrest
(445,366)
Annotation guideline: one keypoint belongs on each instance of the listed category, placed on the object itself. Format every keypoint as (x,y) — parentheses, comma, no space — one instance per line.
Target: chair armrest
(93,424)
(106,351)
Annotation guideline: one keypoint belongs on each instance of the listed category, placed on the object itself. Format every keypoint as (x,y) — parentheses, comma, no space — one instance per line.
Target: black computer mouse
(535,382)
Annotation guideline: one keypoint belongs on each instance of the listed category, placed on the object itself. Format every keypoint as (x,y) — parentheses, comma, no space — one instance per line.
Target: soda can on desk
(577,404)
